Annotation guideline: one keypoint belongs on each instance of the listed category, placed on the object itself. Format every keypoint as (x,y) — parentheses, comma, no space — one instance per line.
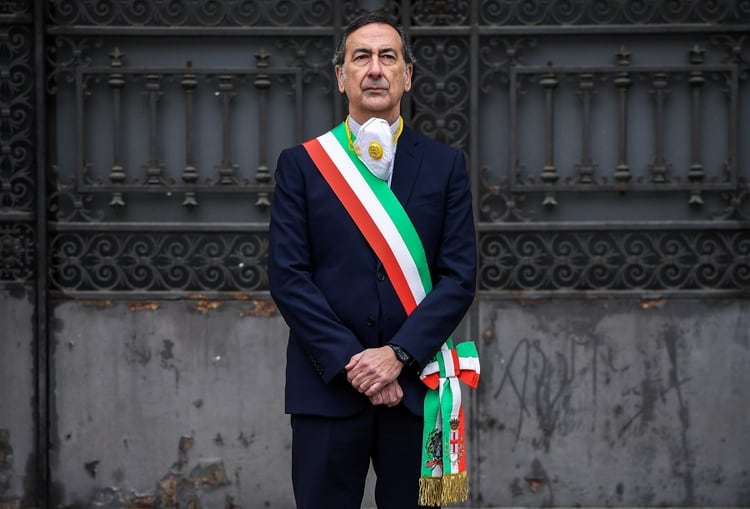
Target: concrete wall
(581,403)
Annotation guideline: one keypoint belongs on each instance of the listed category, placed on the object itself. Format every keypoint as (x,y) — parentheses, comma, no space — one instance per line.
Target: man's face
(374,74)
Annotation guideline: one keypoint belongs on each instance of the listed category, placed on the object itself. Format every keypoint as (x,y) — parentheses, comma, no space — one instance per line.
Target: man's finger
(353,361)
(373,389)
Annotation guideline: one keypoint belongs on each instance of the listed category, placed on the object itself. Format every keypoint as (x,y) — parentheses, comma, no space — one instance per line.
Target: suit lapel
(407,166)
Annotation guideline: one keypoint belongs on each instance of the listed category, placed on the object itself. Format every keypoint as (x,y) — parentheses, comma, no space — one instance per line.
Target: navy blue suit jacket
(332,290)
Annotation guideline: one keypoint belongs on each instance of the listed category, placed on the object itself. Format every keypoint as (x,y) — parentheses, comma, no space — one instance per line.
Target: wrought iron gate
(606,141)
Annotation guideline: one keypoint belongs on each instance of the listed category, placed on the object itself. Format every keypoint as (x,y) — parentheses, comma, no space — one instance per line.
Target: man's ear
(407,77)
(340,78)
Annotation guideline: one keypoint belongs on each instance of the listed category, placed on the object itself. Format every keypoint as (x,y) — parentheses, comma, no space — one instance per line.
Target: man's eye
(360,58)
(388,58)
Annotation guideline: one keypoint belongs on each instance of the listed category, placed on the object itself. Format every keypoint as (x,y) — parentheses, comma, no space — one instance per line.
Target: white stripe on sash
(377,212)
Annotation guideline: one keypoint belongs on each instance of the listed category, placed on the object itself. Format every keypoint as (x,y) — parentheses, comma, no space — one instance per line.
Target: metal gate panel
(575,118)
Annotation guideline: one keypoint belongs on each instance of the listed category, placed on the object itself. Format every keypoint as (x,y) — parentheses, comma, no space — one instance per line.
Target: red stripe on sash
(364,222)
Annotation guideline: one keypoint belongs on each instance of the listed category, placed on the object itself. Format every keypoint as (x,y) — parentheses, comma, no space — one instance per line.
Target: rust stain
(143,306)
(530,302)
(207,305)
(186,443)
(535,483)
(652,303)
(265,308)
(240,295)
(488,335)
(212,474)
(104,303)
(142,502)
(518,294)
(169,490)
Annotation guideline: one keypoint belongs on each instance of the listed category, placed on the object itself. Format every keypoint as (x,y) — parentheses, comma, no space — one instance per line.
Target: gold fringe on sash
(449,489)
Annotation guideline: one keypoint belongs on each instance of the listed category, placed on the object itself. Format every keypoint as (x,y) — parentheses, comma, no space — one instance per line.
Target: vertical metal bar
(262,83)
(79,123)
(406,102)
(473,317)
(474,104)
(225,92)
(585,167)
(42,341)
(153,91)
(405,13)
(116,83)
(338,100)
(734,109)
(514,164)
(659,165)
(190,173)
(549,172)
(696,81)
(298,106)
(622,82)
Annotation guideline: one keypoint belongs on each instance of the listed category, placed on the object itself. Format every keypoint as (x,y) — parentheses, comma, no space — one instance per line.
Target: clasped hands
(373,372)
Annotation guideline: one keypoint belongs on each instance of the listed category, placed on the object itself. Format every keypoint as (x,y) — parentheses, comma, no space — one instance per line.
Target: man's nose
(375,69)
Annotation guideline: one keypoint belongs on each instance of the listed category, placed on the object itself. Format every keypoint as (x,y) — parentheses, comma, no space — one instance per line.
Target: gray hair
(366,19)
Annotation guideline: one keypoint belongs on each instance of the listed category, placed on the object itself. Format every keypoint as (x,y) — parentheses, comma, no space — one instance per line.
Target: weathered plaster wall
(170,403)
(582,402)
(17,430)
(612,403)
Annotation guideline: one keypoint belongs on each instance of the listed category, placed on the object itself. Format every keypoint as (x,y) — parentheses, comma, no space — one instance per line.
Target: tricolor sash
(384,223)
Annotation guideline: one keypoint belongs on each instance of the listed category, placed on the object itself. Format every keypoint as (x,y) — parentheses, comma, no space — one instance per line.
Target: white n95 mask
(375,147)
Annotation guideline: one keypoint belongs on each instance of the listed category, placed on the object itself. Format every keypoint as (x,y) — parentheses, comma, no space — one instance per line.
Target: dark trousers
(331,457)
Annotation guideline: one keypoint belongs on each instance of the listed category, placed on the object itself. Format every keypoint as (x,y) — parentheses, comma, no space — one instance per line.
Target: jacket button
(370,321)
(381,276)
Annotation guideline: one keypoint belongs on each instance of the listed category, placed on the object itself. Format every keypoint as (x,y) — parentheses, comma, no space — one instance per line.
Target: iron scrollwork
(608,12)
(108,261)
(439,90)
(204,13)
(17,144)
(618,259)
(16,120)
(17,252)
(441,12)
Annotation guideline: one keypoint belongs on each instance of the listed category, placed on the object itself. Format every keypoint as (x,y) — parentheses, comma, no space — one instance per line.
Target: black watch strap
(402,355)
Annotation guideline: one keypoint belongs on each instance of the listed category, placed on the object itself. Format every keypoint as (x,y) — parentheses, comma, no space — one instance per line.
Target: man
(355,351)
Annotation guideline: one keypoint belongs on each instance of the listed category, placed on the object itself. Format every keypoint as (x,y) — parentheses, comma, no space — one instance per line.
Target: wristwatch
(402,355)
